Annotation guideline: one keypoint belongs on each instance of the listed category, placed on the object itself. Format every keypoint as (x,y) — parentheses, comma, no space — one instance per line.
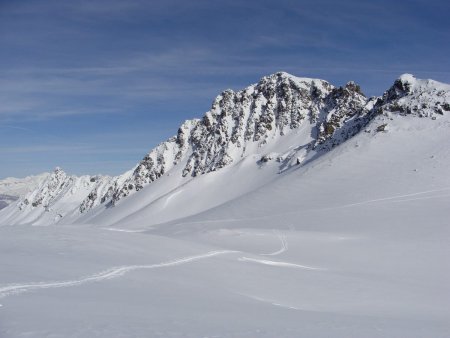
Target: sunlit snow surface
(354,244)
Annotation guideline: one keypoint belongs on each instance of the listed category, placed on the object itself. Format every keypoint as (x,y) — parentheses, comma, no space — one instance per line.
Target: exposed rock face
(58,185)
(53,186)
(240,123)
(409,96)
(276,105)
(154,164)
(101,185)
(346,115)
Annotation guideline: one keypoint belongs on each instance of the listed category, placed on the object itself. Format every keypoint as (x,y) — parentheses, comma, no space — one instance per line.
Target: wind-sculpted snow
(282,119)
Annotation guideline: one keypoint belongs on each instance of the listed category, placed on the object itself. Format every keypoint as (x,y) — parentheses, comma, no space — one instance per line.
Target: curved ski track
(115,272)
(277,263)
(284,244)
(107,274)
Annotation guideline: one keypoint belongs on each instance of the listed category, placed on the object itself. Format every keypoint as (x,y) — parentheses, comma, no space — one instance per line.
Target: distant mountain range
(11,188)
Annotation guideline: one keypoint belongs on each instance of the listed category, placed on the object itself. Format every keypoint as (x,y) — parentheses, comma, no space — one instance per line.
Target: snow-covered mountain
(56,195)
(246,140)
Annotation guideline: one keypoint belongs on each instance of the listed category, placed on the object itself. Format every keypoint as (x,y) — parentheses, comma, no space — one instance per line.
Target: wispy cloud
(6,126)
(41,149)
(73,149)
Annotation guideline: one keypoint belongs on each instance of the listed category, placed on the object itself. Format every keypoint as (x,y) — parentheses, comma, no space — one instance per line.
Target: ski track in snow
(171,196)
(278,263)
(271,302)
(395,198)
(104,275)
(123,230)
(115,272)
(421,198)
(284,244)
(398,198)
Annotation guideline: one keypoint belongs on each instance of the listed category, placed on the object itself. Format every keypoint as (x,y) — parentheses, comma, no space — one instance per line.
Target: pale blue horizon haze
(92,86)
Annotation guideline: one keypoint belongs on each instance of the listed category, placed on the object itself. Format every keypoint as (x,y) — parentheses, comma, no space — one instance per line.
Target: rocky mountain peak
(401,87)
(351,86)
(277,104)
(411,96)
(48,190)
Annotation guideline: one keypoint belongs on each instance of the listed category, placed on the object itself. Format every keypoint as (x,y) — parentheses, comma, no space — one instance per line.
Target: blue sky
(91,86)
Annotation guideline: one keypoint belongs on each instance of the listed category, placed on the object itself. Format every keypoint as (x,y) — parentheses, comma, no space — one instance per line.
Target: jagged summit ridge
(61,187)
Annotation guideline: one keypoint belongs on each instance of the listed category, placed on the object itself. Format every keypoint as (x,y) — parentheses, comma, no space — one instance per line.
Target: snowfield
(351,243)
